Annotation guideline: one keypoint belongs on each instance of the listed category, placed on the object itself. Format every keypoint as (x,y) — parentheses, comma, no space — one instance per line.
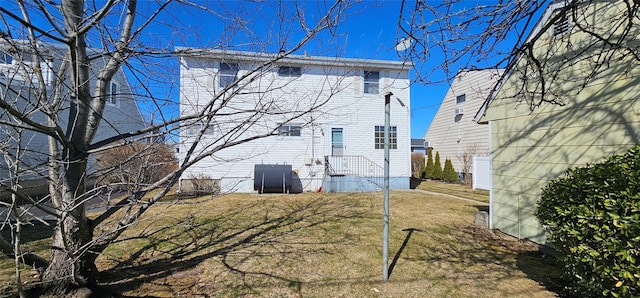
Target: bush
(593,219)
(417,164)
(437,168)
(427,172)
(134,164)
(449,174)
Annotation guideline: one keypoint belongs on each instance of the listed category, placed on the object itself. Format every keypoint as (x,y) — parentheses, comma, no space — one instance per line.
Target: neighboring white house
(341,137)
(452,132)
(17,84)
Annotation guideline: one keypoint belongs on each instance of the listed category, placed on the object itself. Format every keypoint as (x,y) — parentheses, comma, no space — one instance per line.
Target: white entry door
(338,150)
(338,145)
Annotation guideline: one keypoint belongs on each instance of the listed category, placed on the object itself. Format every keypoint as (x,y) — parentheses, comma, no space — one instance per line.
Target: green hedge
(593,219)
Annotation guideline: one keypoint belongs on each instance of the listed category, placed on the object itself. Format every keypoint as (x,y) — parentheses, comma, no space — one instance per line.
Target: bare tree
(467,160)
(68,56)
(447,36)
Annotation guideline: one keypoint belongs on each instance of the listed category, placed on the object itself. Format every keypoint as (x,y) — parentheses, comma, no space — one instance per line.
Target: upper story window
(378,137)
(291,130)
(290,71)
(371,82)
(200,127)
(461,98)
(228,73)
(112,94)
(561,26)
(5,58)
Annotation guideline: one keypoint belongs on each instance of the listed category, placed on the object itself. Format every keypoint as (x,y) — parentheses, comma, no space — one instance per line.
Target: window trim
(370,82)
(290,130)
(227,76)
(461,98)
(378,137)
(289,71)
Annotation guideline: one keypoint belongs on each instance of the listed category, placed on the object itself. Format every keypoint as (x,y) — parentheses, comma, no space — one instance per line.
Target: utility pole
(385,217)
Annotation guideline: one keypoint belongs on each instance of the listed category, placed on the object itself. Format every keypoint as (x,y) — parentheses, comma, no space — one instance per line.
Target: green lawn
(320,245)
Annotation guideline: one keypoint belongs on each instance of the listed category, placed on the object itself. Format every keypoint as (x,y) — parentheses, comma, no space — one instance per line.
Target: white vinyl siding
(304,149)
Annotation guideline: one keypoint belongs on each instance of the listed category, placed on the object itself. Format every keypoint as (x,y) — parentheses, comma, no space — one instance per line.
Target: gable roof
(541,26)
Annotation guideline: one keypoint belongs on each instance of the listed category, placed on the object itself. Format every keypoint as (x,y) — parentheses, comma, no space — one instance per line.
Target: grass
(321,245)
(460,190)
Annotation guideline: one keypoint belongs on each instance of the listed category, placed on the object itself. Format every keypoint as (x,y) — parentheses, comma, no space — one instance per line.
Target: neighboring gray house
(336,147)
(417,146)
(18,81)
(453,132)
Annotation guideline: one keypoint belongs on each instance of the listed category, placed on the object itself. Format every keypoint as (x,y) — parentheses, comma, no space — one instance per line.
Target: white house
(18,82)
(324,117)
(453,132)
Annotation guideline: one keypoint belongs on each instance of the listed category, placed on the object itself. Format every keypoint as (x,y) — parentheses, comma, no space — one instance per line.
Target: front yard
(318,245)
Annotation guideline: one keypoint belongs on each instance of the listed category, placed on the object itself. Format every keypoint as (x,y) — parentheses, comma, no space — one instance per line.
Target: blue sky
(372,34)
(369,31)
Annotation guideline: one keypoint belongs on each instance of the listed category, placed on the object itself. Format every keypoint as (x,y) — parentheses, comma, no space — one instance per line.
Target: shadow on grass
(534,260)
(402,247)
(457,260)
(235,237)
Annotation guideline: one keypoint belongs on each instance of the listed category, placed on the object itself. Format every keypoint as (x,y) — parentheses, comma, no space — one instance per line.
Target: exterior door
(337,141)
(338,150)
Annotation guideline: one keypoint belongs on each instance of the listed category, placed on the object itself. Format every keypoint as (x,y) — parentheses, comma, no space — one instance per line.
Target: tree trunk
(71,265)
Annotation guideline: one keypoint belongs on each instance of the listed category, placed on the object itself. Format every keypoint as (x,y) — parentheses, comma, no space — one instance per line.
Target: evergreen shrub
(592,214)
(449,174)
(437,168)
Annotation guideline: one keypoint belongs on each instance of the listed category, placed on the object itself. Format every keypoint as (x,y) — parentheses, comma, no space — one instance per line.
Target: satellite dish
(404,44)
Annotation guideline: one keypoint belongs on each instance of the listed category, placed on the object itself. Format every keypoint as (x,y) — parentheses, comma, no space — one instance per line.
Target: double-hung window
(290,130)
(228,74)
(379,137)
(371,82)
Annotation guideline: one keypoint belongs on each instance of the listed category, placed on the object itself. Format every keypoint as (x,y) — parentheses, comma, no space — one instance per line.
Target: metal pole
(385,217)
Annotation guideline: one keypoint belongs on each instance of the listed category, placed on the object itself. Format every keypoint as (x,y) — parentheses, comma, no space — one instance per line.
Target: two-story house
(453,133)
(321,118)
(571,100)
(26,151)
